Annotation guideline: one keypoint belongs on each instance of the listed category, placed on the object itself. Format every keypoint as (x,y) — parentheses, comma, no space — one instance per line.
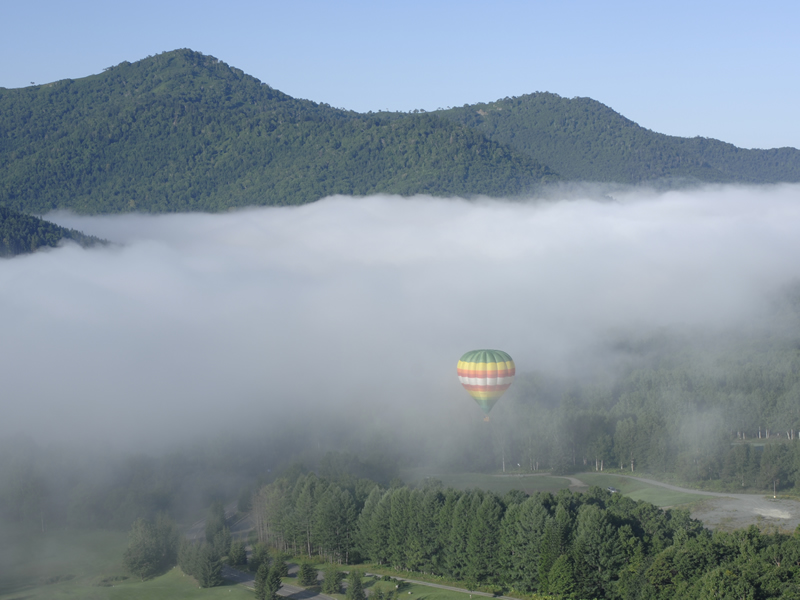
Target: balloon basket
(486,419)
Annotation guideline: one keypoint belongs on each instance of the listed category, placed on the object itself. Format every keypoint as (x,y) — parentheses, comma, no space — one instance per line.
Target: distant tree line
(593,545)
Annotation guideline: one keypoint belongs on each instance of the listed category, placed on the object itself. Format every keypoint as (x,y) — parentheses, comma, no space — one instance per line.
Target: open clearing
(717,510)
(499,484)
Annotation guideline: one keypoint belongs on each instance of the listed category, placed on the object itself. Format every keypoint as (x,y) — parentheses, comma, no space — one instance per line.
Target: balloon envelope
(486,375)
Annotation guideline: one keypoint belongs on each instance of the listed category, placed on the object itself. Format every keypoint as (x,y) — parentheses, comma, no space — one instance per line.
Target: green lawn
(86,566)
(176,585)
(638,490)
(499,484)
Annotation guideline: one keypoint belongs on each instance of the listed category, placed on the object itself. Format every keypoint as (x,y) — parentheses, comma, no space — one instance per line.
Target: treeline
(22,234)
(593,545)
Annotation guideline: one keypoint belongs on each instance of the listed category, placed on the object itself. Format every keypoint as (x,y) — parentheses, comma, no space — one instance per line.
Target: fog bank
(362,306)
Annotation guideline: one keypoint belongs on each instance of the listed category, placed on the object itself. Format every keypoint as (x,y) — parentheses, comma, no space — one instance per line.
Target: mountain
(585,140)
(185,132)
(21,234)
(182,131)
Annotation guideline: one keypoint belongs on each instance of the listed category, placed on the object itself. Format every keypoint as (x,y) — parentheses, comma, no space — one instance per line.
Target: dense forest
(22,234)
(593,545)
(585,140)
(182,131)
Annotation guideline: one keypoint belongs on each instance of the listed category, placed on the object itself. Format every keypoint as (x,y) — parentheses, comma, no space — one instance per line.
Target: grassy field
(500,484)
(639,490)
(86,566)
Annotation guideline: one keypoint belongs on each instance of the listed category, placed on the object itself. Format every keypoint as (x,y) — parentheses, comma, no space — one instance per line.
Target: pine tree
(398,527)
(364,534)
(142,555)
(355,587)
(279,564)
(273,583)
(561,579)
(308,575)
(597,552)
(330,583)
(222,541)
(209,571)
(484,542)
(261,581)
(379,527)
(458,539)
(260,556)
(237,556)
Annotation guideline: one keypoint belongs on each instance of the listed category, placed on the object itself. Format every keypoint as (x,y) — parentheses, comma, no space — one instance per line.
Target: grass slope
(87,566)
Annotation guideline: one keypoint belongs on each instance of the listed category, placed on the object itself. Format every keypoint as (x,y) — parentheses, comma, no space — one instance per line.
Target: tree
(222,541)
(458,538)
(237,556)
(142,556)
(215,522)
(260,556)
(273,583)
(261,580)
(279,563)
(151,547)
(209,572)
(597,553)
(307,575)
(561,579)
(331,579)
(355,587)
(484,542)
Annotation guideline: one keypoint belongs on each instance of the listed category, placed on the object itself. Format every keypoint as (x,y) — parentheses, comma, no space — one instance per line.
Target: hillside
(182,131)
(21,234)
(585,140)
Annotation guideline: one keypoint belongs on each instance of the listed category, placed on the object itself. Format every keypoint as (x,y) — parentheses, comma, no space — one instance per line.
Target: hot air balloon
(486,375)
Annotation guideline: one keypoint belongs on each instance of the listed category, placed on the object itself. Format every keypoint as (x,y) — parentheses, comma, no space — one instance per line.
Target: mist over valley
(232,318)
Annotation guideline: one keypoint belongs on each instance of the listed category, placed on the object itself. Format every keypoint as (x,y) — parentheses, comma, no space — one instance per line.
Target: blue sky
(727,70)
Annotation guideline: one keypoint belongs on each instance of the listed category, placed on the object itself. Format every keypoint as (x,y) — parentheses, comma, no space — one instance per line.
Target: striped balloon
(486,375)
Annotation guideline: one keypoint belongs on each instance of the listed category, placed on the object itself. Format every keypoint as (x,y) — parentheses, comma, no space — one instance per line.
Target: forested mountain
(182,131)
(20,234)
(585,140)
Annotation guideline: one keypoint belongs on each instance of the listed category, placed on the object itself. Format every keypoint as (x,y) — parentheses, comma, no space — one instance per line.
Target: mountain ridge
(183,131)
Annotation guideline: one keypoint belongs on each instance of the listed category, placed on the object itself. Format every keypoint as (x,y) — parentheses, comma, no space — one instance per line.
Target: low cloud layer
(363,306)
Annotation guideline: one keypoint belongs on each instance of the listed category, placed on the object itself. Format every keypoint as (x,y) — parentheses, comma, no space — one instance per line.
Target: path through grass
(638,490)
